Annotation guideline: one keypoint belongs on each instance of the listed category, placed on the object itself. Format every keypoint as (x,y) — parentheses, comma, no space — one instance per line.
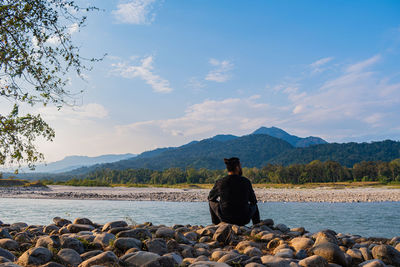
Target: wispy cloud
(358,99)
(195,83)
(318,66)
(135,12)
(360,66)
(83,112)
(221,72)
(145,72)
(205,119)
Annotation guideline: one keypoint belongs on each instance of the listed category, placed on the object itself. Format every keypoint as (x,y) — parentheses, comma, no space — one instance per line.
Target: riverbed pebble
(189,245)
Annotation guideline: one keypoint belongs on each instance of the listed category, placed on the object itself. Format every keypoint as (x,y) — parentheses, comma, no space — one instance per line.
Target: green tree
(36,54)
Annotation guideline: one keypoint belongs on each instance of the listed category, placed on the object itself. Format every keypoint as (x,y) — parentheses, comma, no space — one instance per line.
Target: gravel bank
(367,194)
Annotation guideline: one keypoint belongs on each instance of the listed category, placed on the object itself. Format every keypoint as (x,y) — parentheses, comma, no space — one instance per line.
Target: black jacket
(235,195)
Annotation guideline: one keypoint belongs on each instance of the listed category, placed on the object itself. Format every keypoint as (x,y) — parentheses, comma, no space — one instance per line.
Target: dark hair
(231,164)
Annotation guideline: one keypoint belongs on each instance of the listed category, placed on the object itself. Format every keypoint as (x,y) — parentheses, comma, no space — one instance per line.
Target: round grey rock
(107,258)
(7,254)
(69,257)
(314,261)
(8,244)
(114,224)
(35,256)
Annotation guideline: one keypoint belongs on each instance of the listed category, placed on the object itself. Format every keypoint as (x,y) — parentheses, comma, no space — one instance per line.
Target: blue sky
(178,71)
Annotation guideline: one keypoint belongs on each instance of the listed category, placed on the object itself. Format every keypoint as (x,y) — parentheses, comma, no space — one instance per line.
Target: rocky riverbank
(364,194)
(84,243)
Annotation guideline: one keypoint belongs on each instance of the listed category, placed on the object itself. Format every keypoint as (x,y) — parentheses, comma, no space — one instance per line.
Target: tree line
(313,172)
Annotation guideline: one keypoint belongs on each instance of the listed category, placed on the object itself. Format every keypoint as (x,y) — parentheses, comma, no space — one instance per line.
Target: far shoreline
(317,194)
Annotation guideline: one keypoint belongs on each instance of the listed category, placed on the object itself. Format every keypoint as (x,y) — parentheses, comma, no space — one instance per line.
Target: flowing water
(378,219)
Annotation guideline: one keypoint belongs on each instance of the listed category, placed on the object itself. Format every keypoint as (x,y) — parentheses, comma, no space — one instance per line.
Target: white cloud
(205,119)
(360,66)
(195,83)
(317,66)
(356,101)
(321,62)
(75,113)
(143,71)
(135,12)
(221,72)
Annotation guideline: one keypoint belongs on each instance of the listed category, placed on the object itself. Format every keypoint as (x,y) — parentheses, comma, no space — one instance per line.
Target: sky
(177,71)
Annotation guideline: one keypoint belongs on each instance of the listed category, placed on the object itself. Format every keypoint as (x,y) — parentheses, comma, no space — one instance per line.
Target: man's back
(235,193)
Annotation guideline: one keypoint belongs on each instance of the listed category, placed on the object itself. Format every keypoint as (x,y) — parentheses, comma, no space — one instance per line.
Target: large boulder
(157,245)
(60,222)
(114,224)
(138,233)
(161,262)
(35,256)
(76,228)
(272,261)
(366,253)
(372,263)
(69,257)
(331,252)
(7,254)
(83,221)
(325,236)
(3,259)
(125,243)
(242,245)
(314,261)
(356,256)
(51,228)
(252,252)
(107,258)
(223,233)
(165,232)
(104,239)
(282,227)
(90,254)
(48,242)
(4,233)
(72,243)
(140,258)
(299,243)
(387,254)
(8,244)
(176,257)
(208,264)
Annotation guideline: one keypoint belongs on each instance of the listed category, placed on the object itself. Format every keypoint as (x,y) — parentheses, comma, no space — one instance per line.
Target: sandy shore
(365,194)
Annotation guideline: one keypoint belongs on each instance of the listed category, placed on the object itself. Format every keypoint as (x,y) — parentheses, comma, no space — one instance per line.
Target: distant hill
(291,139)
(253,150)
(73,162)
(346,154)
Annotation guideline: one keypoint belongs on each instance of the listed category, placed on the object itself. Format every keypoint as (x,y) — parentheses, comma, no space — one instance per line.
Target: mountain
(253,150)
(291,139)
(346,154)
(73,162)
(224,137)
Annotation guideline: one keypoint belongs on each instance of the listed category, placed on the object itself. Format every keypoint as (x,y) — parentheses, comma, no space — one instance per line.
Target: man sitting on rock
(232,199)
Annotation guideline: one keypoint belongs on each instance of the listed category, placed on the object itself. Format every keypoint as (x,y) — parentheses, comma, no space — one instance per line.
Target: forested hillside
(346,154)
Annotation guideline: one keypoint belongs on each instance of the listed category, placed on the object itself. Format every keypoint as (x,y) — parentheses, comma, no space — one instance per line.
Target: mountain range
(263,146)
(74,162)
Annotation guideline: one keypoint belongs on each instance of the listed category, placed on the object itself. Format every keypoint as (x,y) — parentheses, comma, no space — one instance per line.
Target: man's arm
(213,195)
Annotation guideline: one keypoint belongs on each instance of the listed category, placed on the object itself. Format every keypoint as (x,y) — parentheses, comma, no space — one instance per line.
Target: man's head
(233,166)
